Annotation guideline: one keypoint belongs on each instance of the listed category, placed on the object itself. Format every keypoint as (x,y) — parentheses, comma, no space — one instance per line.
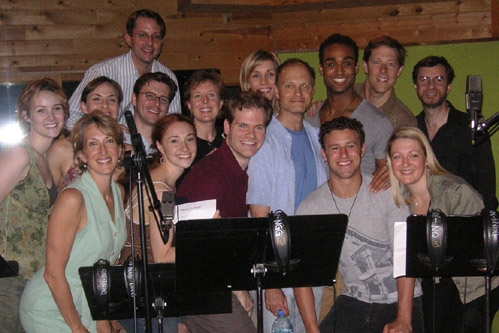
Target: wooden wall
(62,38)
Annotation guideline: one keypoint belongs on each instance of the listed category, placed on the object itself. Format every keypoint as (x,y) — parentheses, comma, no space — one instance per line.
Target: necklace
(336,205)
(348,107)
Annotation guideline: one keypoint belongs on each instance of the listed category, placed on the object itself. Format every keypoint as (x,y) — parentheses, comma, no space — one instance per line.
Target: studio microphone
(474,99)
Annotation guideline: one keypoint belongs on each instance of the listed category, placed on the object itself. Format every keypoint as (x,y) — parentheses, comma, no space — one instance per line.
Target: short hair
(432,61)
(202,76)
(389,42)
(92,85)
(158,77)
(413,133)
(339,124)
(248,100)
(146,13)
(31,92)
(292,62)
(105,123)
(160,128)
(255,59)
(338,39)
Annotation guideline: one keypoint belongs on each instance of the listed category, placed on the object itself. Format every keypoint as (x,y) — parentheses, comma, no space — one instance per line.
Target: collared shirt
(398,113)
(271,171)
(122,70)
(217,176)
(455,152)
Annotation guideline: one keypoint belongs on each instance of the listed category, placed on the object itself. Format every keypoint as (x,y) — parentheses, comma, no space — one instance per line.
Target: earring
(162,159)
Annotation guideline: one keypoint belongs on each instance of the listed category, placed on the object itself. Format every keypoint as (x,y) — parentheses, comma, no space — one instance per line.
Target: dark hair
(291,62)
(388,42)
(158,77)
(249,100)
(433,61)
(202,76)
(338,39)
(147,13)
(92,85)
(339,124)
(106,124)
(31,91)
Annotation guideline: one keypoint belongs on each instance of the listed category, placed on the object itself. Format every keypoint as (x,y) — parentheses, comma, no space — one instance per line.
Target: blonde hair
(413,133)
(256,58)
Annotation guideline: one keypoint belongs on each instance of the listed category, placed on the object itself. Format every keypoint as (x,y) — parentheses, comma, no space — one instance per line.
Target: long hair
(31,92)
(413,133)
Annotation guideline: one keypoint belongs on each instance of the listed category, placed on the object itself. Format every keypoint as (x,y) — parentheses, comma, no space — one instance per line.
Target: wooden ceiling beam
(280,6)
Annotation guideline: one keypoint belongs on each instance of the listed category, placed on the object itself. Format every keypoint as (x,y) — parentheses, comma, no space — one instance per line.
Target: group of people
(64,202)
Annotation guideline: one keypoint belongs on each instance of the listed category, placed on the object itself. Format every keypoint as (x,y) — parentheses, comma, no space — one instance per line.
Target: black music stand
(236,254)
(161,286)
(465,252)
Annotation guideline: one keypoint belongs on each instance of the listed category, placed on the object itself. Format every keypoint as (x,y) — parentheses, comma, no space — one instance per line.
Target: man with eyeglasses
(145,36)
(152,95)
(450,137)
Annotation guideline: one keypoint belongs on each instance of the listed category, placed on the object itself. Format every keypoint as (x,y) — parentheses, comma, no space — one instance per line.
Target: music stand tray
(219,254)
(465,248)
(161,283)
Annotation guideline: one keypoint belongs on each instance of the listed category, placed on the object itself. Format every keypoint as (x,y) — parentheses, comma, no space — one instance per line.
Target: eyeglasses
(153,97)
(145,37)
(437,80)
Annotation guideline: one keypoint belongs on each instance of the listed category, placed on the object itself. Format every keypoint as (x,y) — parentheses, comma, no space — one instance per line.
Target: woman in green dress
(87,223)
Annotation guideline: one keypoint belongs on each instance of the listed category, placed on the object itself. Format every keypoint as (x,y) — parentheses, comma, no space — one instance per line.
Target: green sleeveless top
(101,238)
(23,221)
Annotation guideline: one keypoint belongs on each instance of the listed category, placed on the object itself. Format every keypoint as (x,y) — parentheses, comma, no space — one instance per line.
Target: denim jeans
(349,315)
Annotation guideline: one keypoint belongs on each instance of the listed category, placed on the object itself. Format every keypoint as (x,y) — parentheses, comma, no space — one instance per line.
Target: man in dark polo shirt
(222,176)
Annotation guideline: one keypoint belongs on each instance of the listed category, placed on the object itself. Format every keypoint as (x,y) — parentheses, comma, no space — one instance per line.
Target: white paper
(399,248)
(195,210)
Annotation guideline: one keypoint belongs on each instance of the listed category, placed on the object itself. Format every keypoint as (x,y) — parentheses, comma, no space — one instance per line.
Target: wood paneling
(64,37)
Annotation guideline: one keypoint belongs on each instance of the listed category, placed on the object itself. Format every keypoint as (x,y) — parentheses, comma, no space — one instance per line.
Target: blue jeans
(349,315)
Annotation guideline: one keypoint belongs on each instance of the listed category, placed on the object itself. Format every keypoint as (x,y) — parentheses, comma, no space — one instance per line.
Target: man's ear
(400,71)
(363,150)
(323,153)
(366,69)
(226,127)
(128,40)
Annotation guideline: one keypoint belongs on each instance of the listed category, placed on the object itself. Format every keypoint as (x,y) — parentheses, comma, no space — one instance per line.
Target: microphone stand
(139,162)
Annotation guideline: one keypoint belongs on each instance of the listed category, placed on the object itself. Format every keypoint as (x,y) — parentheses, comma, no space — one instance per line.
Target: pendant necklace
(353,203)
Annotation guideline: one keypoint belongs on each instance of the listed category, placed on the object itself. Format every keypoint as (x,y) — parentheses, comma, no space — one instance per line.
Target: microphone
(474,99)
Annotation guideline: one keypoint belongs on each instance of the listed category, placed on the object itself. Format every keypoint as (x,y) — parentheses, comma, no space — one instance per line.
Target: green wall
(466,59)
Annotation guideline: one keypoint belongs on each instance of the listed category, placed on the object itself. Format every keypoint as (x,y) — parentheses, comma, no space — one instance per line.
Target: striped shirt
(122,70)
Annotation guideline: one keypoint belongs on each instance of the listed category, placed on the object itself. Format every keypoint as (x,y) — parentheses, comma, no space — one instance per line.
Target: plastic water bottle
(282,324)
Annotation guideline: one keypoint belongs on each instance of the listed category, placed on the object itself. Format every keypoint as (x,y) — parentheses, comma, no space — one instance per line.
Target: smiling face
(295,89)
(146,41)
(408,161)
(100,151)
(343,153)
(246,134)
(432,94)
(148,112)
(262,79)
(45,115)
(382,69)
(205,103)
(178,145)
(104,98)
(339,68)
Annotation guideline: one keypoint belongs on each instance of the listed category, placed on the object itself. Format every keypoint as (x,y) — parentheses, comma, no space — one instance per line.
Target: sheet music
(195,210)
(399,249)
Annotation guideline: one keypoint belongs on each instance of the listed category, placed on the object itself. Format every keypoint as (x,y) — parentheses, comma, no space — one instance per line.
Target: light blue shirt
(271,171)
(122,70)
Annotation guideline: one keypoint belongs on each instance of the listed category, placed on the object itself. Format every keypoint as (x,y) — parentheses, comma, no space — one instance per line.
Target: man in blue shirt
(287,168)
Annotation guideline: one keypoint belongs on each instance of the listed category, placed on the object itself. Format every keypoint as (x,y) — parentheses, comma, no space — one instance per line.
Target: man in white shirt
(145,36)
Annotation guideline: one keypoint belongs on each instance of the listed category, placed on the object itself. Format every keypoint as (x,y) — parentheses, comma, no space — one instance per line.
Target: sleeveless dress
(101,238)
(23,221)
